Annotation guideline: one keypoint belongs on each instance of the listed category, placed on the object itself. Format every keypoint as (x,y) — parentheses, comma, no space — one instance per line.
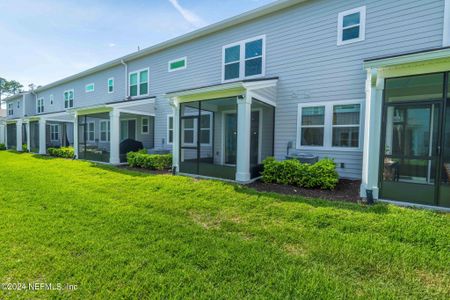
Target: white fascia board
(408,58)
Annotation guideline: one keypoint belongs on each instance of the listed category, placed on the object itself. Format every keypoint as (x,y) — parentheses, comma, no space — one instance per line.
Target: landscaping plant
(64,152)
(141,159)
(321,175)
(2,147)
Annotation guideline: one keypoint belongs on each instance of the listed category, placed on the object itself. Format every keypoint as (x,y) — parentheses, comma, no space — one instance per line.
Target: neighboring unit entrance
(415,154)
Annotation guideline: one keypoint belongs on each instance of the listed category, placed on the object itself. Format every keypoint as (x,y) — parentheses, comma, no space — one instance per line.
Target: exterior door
(411,152)
(230,138)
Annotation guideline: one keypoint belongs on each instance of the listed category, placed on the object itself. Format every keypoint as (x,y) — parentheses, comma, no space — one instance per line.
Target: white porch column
(244,107)
(19,134)
(42,136)
(75,135)
(114,118)
(174,103)
(372,132)
(28,136)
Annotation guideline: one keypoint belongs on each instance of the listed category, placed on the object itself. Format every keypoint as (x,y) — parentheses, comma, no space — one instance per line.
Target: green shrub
(321,175)
(64,152)
(2,147)
(24,147)
(141,159)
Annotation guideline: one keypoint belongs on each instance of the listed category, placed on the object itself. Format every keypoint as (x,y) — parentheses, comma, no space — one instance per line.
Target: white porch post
(28,136)
(243,137)
(75,135)
(176,134)
(19,134)
(372,132)
(42,136)
(114,117)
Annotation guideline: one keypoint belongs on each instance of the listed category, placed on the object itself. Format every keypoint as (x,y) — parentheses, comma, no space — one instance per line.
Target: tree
(9,88)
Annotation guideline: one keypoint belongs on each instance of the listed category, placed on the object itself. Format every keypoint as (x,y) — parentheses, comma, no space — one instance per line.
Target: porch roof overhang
(231,89)
(140,106)
(419,62)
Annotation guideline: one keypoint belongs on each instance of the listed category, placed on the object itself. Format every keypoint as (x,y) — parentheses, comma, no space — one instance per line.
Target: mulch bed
(346,190)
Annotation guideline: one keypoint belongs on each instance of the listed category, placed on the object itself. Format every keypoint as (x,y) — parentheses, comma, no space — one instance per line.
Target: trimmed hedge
(2,147)
(149,161)
(321,175)
(24,148)
(64,152)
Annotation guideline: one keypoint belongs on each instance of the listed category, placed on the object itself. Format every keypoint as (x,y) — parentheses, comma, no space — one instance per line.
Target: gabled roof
(205,31)
(18,95)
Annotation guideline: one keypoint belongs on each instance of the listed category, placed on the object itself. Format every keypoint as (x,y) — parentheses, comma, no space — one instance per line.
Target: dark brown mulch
(146,171)
(346,190)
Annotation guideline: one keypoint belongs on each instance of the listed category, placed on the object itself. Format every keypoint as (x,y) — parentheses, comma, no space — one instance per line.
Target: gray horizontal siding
(300,49)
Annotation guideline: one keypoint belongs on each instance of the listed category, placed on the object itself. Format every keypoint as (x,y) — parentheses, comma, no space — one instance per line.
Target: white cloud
(188,15)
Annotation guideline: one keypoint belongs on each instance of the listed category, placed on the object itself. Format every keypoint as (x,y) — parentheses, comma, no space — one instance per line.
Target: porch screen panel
(261,135)
(90,147)
(188,138)
(24,136)
(34,137)
(414,88)
(11,133)
(217,138)
(444,194)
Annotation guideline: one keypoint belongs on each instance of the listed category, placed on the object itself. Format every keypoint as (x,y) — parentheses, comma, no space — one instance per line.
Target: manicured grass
(121,234)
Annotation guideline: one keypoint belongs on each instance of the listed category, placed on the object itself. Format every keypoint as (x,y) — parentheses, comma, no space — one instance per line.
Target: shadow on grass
(123,170)
(43,157)
(379,208)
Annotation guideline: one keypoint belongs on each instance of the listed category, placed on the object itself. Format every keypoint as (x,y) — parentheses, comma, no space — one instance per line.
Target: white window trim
(53,131)
(176,60)
(328,125)
(108,130)
(210,128)
(87,85)
(38,102)
(168,129)
(89,131)
(138,72)
(142,125)
(362,26)
(196,137)
(73,99)
(113,85)
(194,134)
(242,59)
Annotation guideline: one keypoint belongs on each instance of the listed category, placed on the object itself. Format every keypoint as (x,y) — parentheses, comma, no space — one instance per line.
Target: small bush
(2,147)
(321,175)
(24,147)
(141,159)
(64,152)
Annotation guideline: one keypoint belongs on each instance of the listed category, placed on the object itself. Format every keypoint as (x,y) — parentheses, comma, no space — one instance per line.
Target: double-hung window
(40,105)
(352,26)
(68,98)
(10,109)
(205,129)
(105,131)
(110,85)
(169,129)
(145,125)
(91,132)
(54,132)
(244,59)
(330,125)
(188,135)
(138,83)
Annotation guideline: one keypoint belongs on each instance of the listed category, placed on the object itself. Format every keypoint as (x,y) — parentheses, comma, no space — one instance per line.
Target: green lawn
(119,234)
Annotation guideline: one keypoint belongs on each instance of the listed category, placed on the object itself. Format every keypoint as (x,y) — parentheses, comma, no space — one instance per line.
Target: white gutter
(126,77)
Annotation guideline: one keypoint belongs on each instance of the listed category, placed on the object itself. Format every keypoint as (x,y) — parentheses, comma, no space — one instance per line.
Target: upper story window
(244,59)
(68,98)
(178,64)
(89,88)
(52,99)
(331,125)
(352,26)
(40,105)
(111,85)
(138,83)
(10,109)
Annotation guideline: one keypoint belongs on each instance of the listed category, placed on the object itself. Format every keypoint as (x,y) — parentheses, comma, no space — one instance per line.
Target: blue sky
(43,41)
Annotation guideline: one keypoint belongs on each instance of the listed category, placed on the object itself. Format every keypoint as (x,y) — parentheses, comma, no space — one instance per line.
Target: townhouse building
(365,82)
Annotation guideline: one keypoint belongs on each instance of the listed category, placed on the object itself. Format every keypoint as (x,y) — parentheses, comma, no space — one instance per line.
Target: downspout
(126,77)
